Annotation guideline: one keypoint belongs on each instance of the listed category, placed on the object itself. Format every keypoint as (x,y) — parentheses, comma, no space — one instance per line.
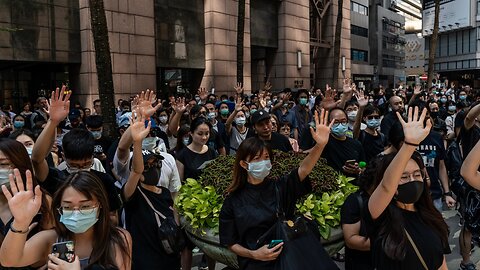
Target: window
(359,55)
(359,31)
(359,8)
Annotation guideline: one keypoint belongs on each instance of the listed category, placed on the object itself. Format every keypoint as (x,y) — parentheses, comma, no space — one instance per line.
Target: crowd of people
(412,151)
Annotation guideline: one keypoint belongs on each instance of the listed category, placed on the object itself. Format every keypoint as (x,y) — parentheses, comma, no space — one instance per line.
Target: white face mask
(4,173)
(240,121)
(149,143)
(260,169)
(163,119)
(352,115)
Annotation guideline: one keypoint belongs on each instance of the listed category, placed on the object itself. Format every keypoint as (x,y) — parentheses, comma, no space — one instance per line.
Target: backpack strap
(157,213)
(416,250)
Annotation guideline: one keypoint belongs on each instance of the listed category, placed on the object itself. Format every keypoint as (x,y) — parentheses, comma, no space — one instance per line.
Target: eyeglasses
(370,117)
(415,176)
(343,121)
(84,166)
(84,210)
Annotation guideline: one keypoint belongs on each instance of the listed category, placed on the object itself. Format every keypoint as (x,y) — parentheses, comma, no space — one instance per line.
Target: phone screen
(64,250)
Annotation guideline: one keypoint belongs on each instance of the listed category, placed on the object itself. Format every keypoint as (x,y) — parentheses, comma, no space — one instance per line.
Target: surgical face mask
(149,143)
(186,141)
(339,129)
(352,115)
(224,112)
(409,192)
(97,134)
(443,100)
(29,151)
(247,114)
(78,222)
(252,111)
(240,121)
(303,101)
(260,169)
(151,176)
(4,173)
(211,115)
(452,108)
(197,99)
(72,170)
(373,123)
(269,103)
(370,101)
(462,98)
(18,124)
(163,119)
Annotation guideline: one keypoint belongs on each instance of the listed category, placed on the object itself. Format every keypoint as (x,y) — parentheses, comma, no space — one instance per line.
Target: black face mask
(409,192)
(434,115)
(151,176)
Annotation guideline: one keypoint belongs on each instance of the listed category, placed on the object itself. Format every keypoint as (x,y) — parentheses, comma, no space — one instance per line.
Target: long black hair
(392,229)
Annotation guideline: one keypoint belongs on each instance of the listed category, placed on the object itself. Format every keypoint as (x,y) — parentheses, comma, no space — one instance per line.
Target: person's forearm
(309,161)
(358,242)
(123,149)
(295,133)
(358,122)
(471,116)
(12,250)
(470,165)
(344,100)
(174,123)
(228,123)
(412,99)
(44,143)
(242,252)
(444,176)
(135,172)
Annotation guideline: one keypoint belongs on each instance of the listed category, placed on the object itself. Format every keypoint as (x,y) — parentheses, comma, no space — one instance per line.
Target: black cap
(147,154)
(259,116)
(73,114)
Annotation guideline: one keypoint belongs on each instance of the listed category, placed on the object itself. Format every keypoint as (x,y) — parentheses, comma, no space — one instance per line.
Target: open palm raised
(415,129)
(321,132)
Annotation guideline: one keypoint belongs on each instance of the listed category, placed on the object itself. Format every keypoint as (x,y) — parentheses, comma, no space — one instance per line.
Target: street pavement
(453,259)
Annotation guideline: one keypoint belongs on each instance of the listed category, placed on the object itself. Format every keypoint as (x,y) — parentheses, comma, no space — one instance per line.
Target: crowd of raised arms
(65,182)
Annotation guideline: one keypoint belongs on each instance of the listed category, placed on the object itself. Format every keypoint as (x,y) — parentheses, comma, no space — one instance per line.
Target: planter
(209,243)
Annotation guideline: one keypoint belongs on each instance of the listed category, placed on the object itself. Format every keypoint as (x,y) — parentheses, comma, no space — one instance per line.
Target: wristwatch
(448,194)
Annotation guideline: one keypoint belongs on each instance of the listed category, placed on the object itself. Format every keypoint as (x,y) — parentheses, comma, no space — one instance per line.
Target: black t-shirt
(469,138)
(140,221)
(192,161)
(432,150)
(100,150)
(56,178)
(372,145)
(429,244)
(351,213)
(276,142)
(337,152)
(387,122)
(250,212)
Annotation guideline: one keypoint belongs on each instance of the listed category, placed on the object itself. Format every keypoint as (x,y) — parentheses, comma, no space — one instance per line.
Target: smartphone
(351,162)
(64,250)
(274,243)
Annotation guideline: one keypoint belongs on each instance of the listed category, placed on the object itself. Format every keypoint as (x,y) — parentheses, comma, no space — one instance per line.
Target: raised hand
(347,86)
(179,105)
(267,87)
(146,99)
(24,202)
(239,104)
(202,93)
(414,129)
(59,105)
(321,132)
(417,90)
(238,88)
(328,101)
(261,100)
(137,126)
(361,99)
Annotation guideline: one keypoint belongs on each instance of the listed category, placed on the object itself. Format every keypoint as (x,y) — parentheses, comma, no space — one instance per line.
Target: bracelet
(409,143)
(18,231)
(448,194)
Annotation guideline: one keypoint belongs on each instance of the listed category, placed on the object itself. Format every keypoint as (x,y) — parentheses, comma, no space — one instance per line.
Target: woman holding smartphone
(81,215)
(249,209)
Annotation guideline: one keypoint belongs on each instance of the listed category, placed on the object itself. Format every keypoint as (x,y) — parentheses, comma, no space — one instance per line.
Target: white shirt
(169,177)
(96,165)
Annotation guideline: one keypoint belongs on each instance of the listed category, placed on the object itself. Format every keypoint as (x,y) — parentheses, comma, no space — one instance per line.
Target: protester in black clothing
(262,125)
(94,124)
(396,105)
(342,153)
(400,211)
(249,209)
(139,216)
(302,113)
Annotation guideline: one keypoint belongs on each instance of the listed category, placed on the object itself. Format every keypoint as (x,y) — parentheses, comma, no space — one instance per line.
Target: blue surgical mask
(186,141)
(443,100)
(339,130)
(77,222)
(224,112)
(18,124)
(97,134)
(149,143)
(29,151)
(452,108)
(211,115)
(260,169)
(303,101)
(163,119)
(373,123)
(247,114)
(463,98)
(240,121)
(4,173)
(269,103)
(252,111)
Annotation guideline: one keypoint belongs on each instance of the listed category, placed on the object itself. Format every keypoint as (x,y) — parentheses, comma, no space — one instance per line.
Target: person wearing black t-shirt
(262,125)
(372,140)
(405,230)
(249,210)
(342,153)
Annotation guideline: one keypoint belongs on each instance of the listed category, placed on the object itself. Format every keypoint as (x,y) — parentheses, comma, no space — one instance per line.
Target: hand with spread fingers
(415,129)
(238,88)
(24,201)
(202,93)
(146,99)
(59,105)
(137,126)
(321,133)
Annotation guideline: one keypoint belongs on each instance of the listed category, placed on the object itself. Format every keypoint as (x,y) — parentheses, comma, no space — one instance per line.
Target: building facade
(173,46)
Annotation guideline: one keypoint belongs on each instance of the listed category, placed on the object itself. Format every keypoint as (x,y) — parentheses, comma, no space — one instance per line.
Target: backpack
(453,162)
(472,211)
